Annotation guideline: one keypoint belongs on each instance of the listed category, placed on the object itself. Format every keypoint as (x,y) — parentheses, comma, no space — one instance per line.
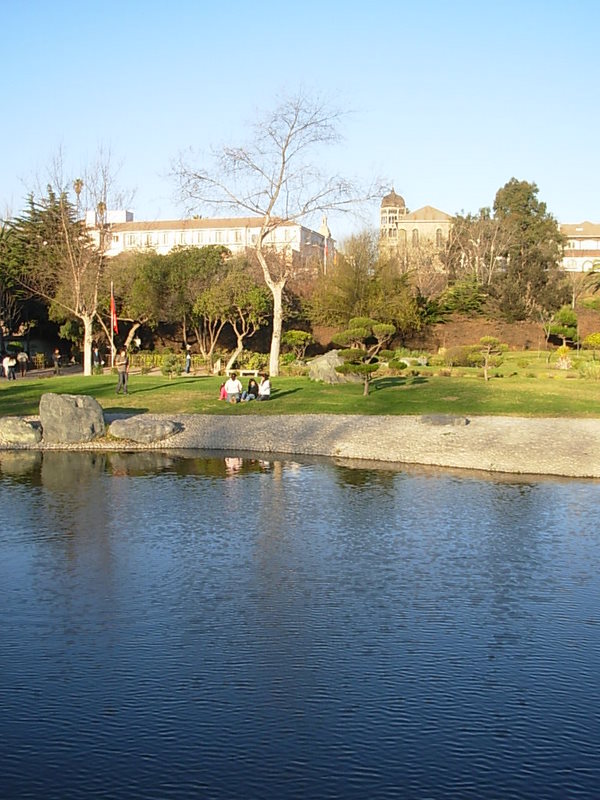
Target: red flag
(113,313)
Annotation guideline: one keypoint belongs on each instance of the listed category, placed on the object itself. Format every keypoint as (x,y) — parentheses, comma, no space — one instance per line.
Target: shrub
(250,360)
(171,365)
(286,359)
(589,370)
(396,366)
(458,356)
(563,355)
(592,342)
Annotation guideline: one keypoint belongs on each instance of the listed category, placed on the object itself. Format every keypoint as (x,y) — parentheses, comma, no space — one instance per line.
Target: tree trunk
(365,388)
(277,292)
(236,352)
(276,289)
(87,343)
(131,334)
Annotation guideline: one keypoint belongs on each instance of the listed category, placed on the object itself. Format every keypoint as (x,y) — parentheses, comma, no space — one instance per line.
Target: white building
(304,246)
(582,250)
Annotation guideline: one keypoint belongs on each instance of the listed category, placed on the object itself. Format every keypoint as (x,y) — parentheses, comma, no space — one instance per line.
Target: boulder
(322,368)
(70,418)
(16,430)
(143,430)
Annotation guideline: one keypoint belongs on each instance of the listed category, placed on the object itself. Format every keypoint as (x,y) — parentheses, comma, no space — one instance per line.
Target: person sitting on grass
(264,388)
(252,391)
(222,392)
(233,387)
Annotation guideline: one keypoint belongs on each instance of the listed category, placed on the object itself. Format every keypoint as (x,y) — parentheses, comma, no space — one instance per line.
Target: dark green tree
(531,251)
(52,256)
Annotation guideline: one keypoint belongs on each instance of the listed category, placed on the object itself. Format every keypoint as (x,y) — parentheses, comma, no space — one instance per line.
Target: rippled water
(177,627)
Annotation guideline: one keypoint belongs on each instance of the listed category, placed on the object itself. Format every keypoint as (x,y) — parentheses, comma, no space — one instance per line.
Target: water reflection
(190,624)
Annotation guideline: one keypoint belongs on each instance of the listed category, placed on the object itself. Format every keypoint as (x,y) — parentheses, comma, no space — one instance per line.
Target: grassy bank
(522,387)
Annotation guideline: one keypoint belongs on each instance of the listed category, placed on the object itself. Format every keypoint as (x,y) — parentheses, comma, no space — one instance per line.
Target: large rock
(70,418)
(143,430)
(322,368)
(16,430)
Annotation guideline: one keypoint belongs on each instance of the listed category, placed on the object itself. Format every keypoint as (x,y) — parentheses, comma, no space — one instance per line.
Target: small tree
(238,300)
(366,339)
(592,342)
(564,325)
(490,348)
(298,341)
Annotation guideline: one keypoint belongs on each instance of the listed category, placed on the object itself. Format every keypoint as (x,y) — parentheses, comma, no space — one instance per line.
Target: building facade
(400,228)
(303,245)
(582,250)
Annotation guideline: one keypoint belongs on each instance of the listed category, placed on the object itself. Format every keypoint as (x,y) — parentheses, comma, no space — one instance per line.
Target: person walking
(122,365)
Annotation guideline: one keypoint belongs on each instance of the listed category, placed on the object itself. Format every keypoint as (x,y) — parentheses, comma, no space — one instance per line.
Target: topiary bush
(171,365)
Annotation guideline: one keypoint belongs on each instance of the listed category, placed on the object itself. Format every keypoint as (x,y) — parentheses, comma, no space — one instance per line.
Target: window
(415,238)
(218,236)
(130,240)
(439,239)
(238,236)
(402,233)
(165,238)
(115,238)
(393,233)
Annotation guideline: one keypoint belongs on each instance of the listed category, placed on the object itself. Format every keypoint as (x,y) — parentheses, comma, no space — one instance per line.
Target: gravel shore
(565,447)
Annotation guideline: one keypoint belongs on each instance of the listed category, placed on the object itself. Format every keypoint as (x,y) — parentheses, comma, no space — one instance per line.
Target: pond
(182,625)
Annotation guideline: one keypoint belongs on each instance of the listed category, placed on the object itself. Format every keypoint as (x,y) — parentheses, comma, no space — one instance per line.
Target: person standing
(10,364)
(22,359)
(56,361)
(122,365)
(188,359)
(96,357)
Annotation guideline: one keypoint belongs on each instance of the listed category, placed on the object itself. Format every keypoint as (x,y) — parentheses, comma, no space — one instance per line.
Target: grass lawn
(525,386)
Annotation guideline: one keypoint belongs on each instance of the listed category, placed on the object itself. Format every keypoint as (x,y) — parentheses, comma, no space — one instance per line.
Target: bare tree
(275,178)
(60,261)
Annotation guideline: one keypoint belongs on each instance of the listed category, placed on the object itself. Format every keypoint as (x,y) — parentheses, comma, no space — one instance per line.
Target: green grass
(535,390)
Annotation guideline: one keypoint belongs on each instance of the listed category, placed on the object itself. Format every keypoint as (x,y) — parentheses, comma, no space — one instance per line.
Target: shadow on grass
(394,383)
(276,394)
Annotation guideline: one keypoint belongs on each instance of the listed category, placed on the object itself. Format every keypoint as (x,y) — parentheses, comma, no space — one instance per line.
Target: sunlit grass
(549,393)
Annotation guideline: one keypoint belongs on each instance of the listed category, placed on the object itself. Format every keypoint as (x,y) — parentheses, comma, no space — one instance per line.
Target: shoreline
(515,445)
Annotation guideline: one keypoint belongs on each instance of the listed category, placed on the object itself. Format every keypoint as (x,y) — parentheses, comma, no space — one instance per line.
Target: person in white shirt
(264,388)
(233,387)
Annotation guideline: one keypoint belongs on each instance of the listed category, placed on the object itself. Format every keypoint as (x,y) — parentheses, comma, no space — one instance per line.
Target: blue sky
(447,101)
